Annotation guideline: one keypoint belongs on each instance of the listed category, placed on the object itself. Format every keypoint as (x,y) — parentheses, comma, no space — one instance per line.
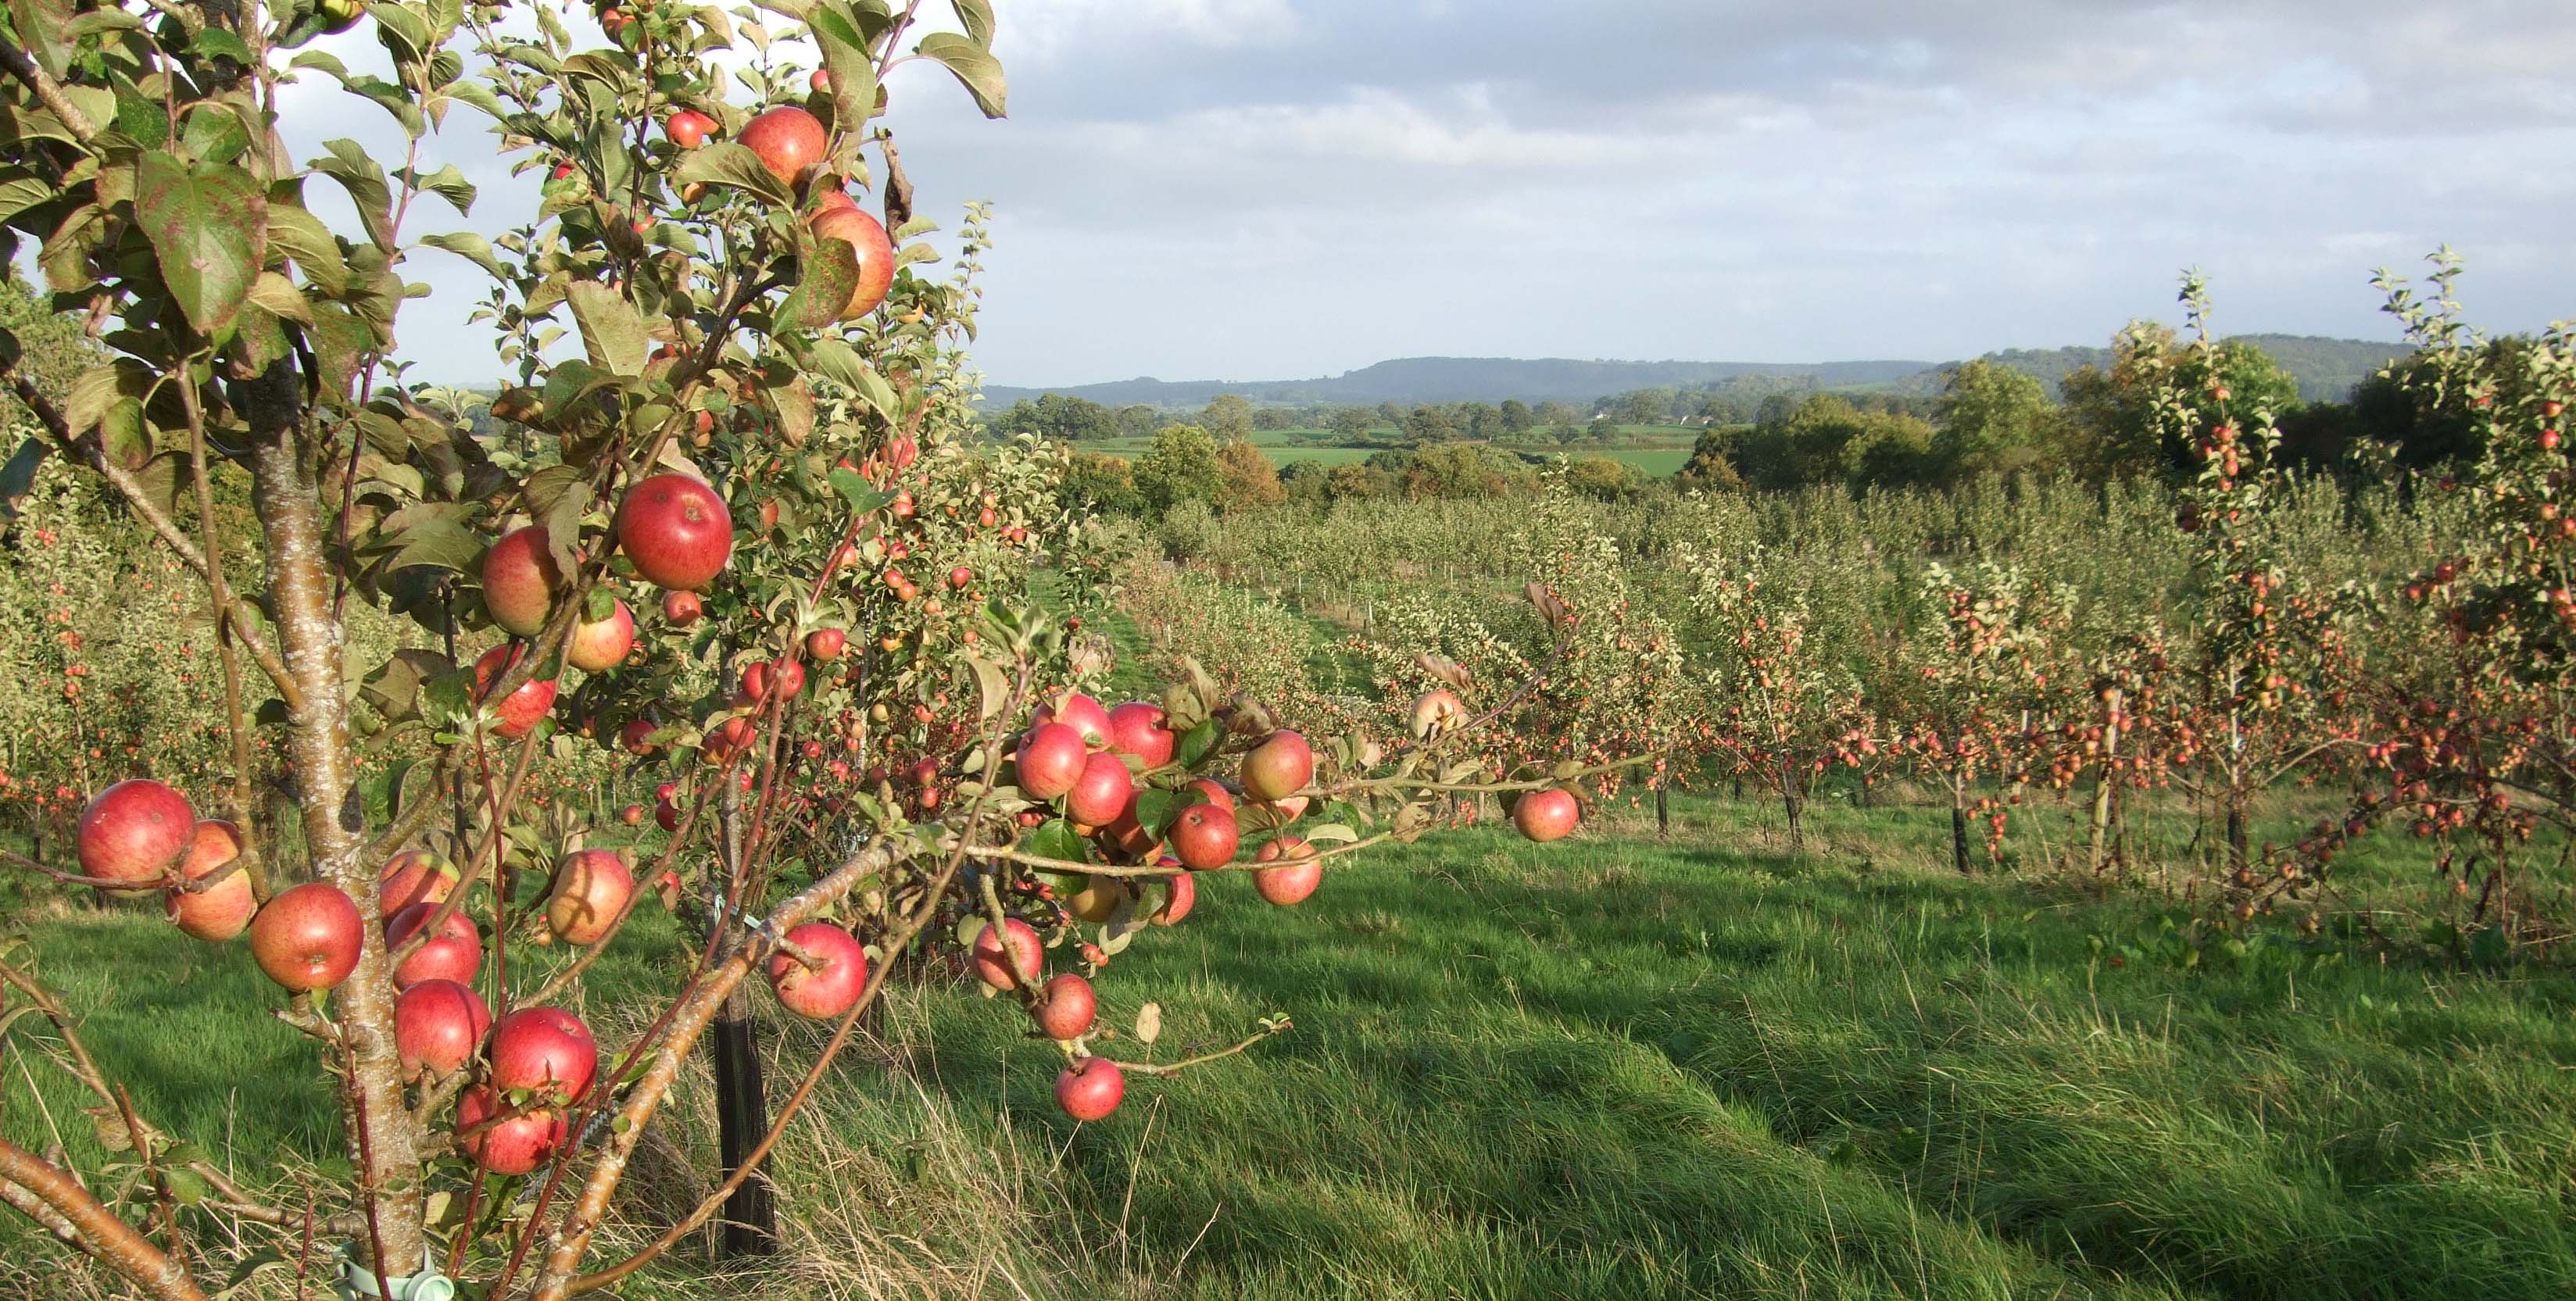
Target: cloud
(1254,188)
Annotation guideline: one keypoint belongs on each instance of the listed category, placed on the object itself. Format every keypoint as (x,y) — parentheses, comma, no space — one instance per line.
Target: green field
(1609,1068)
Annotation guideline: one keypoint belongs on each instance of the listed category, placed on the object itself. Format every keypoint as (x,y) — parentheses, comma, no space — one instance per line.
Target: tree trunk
(1791,801)
(1663,812)
(742,1118)
(2100,831)
(382,1141)
(2237,856)
(1959,832)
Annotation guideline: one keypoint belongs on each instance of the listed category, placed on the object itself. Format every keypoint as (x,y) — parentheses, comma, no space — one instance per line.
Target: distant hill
(1465,379)
(2327,370)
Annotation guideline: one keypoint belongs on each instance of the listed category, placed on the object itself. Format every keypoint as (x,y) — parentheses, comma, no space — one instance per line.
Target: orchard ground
(1615,1066)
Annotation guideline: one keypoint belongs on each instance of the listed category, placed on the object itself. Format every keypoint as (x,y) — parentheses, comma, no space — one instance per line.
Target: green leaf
(213,42)
(101,20)
(1055,838)
(722,162)
(862,495)
(214,133)
(21,189)
(447,183)
(470,246)
(611,330)
(975,66)
(18,476)
(278,296)
(1196,743)
(1155,810)
(208,226)
(845,56)
(404,34)
(302,237)
(976,16)
(827,273)
(365,182)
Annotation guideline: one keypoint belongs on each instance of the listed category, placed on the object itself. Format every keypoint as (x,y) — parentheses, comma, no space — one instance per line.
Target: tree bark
(1663,811)
(1796,808)
(1959,832)
(332,815)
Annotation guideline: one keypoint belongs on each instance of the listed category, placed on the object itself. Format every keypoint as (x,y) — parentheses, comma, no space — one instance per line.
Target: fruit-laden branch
(86,451)
(96,1228)
(572,1237)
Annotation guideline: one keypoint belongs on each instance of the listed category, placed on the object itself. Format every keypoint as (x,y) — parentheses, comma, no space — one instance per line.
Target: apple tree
(724,531)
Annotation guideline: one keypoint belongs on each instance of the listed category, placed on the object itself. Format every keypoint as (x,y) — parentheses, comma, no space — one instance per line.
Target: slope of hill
(2327,369)
(1464,379)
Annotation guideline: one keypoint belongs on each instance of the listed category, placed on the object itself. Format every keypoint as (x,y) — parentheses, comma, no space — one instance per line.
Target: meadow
(1619,1066)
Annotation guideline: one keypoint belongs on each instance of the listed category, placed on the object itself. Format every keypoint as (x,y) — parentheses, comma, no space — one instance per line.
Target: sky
(1263,189)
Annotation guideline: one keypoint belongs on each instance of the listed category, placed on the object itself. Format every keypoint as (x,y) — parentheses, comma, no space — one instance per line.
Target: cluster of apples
(675,531)
(790,143)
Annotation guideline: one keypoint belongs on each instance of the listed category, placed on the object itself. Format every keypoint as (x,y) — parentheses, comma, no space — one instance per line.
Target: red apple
(220,911)
(455,953)
(666,815)
(545,1050)
(514,1146)
(1281,767)
(437,1026)
(1069,1008)
(825,644)
(521,580)
(1051,761)
(1126,839)
(520,713)
(725,738)
(637,736)
(1026,953)
(688,128)
(590,891)
(1215,792)
(414,876)
(599,647)
(1546,815)
(632,815)
(1090,1088)
(785,677)
(1079,712)
(788,140)
(1180,894)
(1137,728)
(1297,875)
(681,609)
(824,992)
(874,252)
(675,529)
(1104,791)
(1205,836)
(134,831)
(307,938)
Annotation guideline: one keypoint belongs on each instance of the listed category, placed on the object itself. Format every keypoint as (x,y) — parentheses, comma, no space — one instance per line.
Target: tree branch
(118,1244)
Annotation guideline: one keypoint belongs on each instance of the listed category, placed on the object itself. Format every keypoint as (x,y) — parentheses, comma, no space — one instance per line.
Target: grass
(1612,1067)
